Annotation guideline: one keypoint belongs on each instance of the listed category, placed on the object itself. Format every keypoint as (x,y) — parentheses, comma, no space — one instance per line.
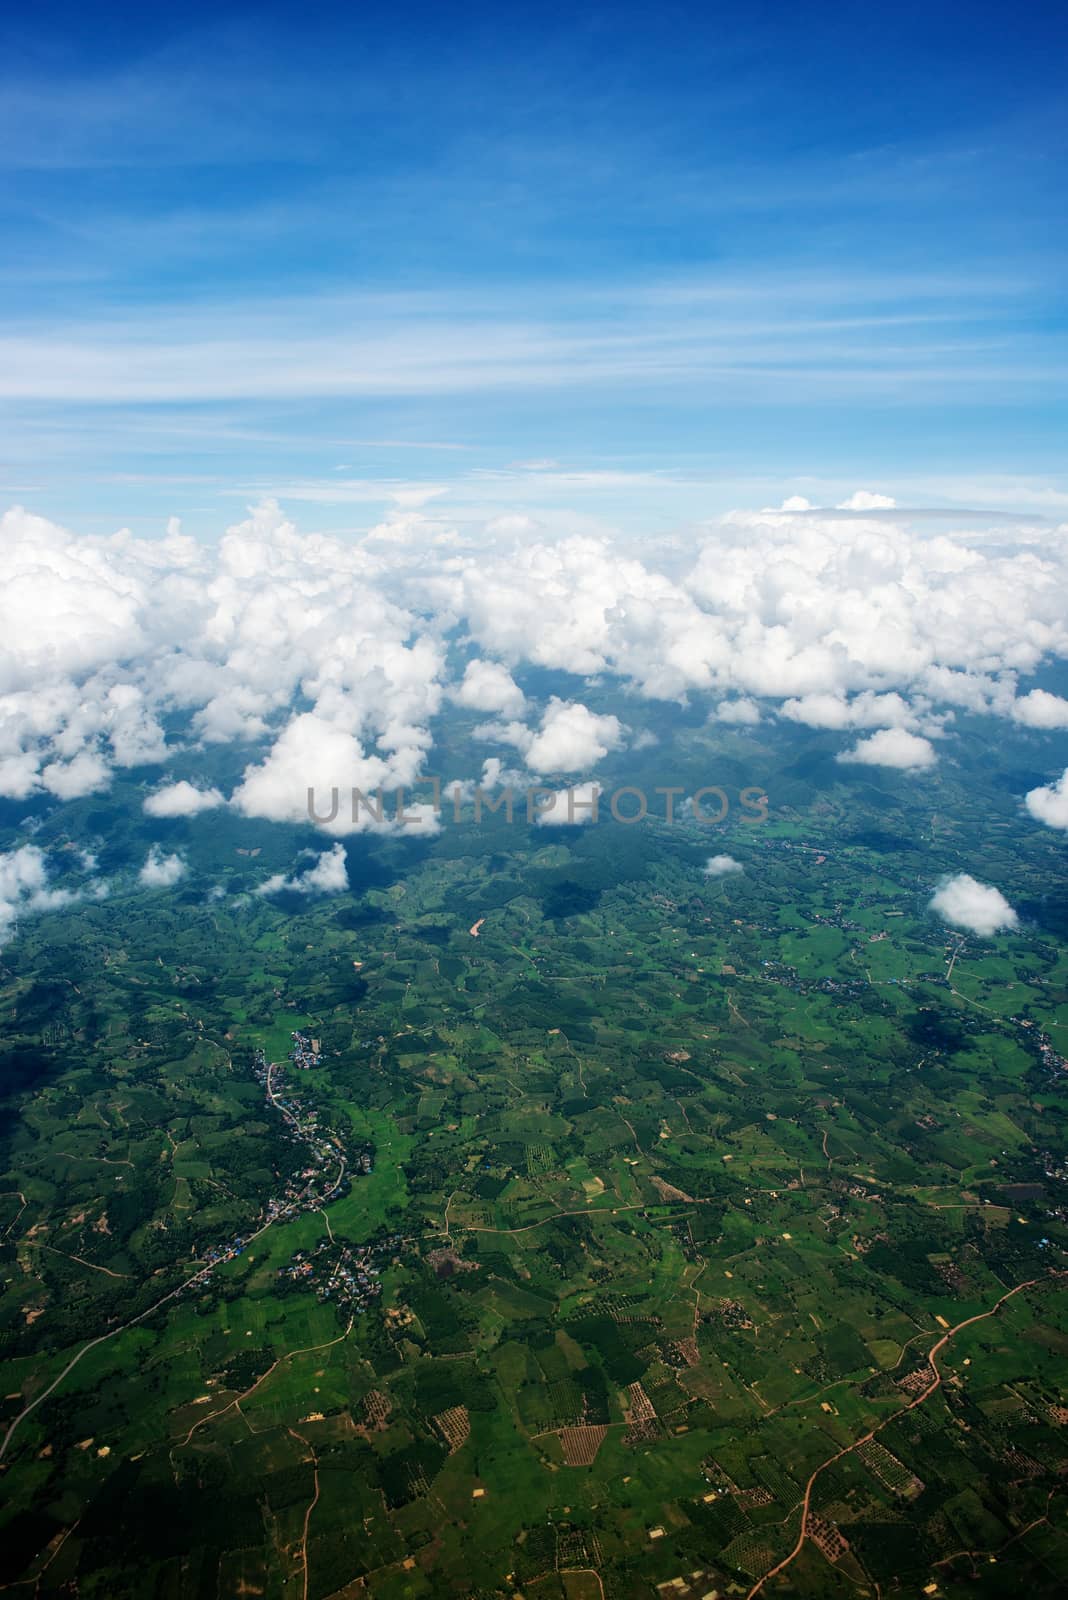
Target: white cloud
(24,887)
(311,752)
(572,738)
(1039,709)
(516,734)
(327,656)
(1049,804)
(135,736)
(743,711)
(121,629)
(487,686)
(19,775)
(720,866)
(418,818)
(182,800)
(458,792)
(866,710)
(965,903)
(865,500)
(893,747)
(573,807)
(86,774)
(160,871)
(327,876)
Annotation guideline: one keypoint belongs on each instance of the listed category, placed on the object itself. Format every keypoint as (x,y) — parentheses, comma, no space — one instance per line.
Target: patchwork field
(706,1227)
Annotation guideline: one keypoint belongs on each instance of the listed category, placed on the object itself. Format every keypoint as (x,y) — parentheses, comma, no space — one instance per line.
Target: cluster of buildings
(352,1281)
(305,1052)
(327,1163)
(345,1274)
(1054,1166)
(1041,1043)
(787,977)
(218,1254)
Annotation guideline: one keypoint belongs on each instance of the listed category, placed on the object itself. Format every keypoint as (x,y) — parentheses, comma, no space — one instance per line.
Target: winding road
(936,1383)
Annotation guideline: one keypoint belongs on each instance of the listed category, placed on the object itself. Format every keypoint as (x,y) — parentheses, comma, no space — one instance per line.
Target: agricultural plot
(676,1189)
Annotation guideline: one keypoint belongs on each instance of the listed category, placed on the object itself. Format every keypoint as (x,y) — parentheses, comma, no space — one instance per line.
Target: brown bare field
(376,1410)
(581,1444)
(831,1543)
(688,1351)
(668,1191)
(454,1426)
(639,1415)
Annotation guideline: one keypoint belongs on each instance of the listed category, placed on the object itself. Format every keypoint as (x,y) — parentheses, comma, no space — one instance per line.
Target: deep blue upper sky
(740,249)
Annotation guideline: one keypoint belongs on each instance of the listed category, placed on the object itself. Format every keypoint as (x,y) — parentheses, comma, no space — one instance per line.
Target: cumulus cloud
(312,751)
(893,747)
(121,629)
(572,738)
(720,866)
(516,734)
(865,500)
(743,711)
(1039,709)
(488,686)
(160,871)
(866,710)
(86,774)
(182,800)
(978,907)
(1049,804)
(327,655)
(131,729)
(24,887)
(326,876)
(566,808)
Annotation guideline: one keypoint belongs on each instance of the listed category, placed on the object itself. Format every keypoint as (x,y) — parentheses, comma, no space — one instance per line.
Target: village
(345,1274)
(325,1176)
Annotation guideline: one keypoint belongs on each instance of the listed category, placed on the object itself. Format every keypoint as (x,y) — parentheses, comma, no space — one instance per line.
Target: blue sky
(629,264)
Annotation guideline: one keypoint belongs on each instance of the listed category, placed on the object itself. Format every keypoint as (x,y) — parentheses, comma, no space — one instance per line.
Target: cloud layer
(330,658)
